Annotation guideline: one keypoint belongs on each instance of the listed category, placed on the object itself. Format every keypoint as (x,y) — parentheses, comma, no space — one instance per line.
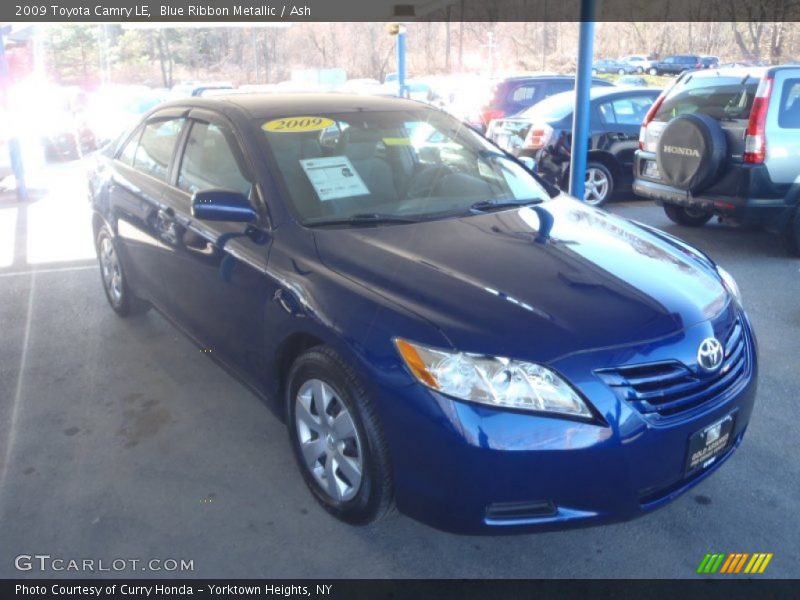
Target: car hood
(536,283)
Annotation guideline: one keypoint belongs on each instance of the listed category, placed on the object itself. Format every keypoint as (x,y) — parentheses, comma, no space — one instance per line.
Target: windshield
(717,97)
(416,164)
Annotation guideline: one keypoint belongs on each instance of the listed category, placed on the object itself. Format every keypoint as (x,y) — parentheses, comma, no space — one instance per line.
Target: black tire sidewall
(677,214)
(122,306)
(129,303)
(372,497)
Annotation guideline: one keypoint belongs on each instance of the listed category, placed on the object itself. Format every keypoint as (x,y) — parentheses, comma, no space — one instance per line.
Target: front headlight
(730,284)
(494,381)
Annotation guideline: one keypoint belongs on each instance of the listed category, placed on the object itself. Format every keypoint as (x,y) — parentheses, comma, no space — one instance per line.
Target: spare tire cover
(691,151)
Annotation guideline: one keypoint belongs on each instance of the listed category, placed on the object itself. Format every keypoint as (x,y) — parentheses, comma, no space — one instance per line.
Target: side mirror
(222,205)
(527,162)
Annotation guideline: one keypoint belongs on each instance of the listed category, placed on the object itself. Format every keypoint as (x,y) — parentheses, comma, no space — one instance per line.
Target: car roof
(259,105)
(743,72)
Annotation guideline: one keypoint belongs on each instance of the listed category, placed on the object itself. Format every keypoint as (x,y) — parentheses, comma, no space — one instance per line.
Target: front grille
(669,388)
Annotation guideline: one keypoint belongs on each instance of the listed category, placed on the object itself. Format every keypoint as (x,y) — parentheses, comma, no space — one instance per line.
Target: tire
(594,72)
(346,468)
(112,274)
(640,70)
(690,217)
(653,71)
(599,184)
(621,72)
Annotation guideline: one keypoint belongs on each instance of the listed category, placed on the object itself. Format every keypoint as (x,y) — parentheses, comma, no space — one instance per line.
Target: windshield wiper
(360,219)
(497,204)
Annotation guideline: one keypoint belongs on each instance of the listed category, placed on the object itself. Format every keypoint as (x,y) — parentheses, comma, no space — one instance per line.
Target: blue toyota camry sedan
(441,330)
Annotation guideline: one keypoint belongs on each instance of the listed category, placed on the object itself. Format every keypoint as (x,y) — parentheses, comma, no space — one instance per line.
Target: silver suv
(725,142)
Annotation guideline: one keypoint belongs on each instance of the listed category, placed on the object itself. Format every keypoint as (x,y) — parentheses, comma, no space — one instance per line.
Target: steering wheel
(425,182)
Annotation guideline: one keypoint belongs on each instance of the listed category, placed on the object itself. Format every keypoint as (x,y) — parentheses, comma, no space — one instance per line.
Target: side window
(789,115)
(156,146)
(524,94)
(209,161)
(129,151)
(626,111)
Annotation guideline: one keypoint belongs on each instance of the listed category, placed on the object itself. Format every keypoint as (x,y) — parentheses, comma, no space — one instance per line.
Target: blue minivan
(442,331)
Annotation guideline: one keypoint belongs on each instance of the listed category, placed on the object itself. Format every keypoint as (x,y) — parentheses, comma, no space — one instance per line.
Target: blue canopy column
(580,118)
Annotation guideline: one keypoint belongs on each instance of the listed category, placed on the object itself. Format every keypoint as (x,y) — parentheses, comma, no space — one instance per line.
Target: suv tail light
(755,141)
(643,145)
(492,113)
(538,136)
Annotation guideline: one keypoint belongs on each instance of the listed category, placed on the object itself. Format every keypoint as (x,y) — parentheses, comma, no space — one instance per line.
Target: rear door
(621,117)
(141,171)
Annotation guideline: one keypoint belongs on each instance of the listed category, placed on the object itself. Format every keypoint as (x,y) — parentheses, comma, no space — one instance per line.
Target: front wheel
(337,440)
(115,285)
(621,72)
(599,184)
(640,70)
(653,71)
(684,215)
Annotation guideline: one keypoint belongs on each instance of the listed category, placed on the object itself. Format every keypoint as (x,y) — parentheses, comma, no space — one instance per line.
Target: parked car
(609,65)
(514,94)
(675,65)
(194,89)
(726,143)
(642,62)
(631,80)
(544,132)
(709,62)
(382,297)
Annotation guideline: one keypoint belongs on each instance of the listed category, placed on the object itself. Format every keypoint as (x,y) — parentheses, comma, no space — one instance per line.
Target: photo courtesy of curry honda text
(442,331)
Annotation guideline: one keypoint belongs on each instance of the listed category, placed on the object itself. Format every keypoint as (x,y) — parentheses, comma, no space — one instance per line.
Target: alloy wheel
(109,266)
(596,186)
(329,441)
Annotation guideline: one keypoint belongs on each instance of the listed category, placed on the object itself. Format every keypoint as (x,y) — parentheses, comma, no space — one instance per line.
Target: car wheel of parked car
(640,70)
(115,285)
(653,71)
(599,184)
(683,215)
(594,71)
(621,71)
(336,437)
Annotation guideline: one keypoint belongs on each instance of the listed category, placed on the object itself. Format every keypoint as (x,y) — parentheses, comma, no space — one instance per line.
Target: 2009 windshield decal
(298,124)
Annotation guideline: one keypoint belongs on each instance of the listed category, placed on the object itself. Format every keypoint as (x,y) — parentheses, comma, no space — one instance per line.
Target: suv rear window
(718,97)
(789,115)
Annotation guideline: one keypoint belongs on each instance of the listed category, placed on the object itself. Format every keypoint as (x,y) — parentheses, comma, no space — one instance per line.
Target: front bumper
(468,468)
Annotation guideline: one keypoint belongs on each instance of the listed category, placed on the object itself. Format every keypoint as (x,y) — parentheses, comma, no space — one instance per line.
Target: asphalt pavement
(119,439)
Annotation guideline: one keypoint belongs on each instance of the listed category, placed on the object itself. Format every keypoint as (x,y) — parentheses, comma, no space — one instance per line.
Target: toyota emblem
(710,354)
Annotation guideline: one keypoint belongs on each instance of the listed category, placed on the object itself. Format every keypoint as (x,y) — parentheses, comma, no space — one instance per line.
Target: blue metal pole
(402,89)
(13,143)
(580,118)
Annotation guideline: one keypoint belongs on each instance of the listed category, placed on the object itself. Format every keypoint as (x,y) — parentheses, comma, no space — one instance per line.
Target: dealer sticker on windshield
(297,124)
(334,177)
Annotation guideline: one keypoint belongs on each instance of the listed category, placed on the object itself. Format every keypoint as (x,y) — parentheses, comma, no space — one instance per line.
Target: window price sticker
(334,177)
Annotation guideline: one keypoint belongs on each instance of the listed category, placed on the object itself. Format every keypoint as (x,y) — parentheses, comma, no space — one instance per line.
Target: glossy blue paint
(561,284)
(222,205)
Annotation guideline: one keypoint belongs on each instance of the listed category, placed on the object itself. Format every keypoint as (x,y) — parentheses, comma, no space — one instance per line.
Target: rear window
(551,109)
(789,115)
(722,98)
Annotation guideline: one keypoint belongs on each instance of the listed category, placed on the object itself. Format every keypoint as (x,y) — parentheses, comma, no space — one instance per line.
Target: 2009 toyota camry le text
(441,330)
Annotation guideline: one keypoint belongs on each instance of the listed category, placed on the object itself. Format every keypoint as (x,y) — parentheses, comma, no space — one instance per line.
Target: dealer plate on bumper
(651,169)
(708,444)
